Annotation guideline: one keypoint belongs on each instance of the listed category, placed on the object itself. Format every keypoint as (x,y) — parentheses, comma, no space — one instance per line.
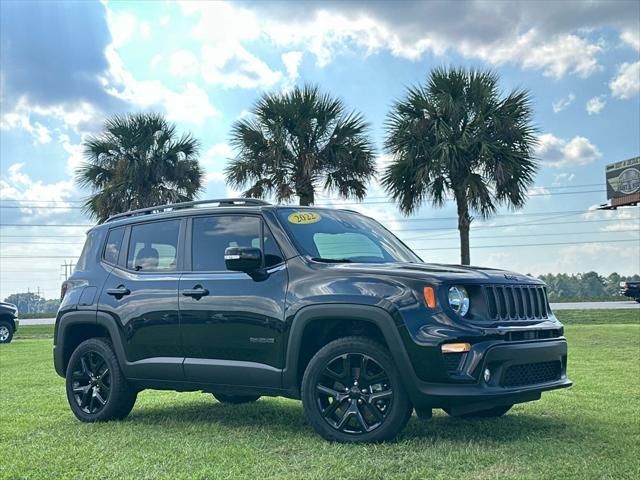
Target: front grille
(516,302)
(532,373)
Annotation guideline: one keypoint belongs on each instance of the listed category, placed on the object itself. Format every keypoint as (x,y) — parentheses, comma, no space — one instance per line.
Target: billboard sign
(623,178)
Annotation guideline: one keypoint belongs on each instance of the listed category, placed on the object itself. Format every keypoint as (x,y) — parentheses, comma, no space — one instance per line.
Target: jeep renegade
(242,299)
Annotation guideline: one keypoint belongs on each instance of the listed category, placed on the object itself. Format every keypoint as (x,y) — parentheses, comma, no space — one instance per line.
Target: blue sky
(65,66)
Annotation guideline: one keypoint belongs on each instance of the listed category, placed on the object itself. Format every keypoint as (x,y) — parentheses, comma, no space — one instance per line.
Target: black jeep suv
(243,299)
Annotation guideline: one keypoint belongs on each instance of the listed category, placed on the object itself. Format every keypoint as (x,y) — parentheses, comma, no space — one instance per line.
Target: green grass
(588,431)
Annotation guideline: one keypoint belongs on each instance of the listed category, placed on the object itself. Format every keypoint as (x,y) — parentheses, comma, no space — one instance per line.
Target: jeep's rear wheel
(488,413)
(6,332)
(235,399)
(96,388)
(351,392)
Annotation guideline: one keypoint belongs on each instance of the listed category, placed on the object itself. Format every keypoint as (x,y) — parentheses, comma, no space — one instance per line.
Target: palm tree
(138,161)
(297,142)
(457,137)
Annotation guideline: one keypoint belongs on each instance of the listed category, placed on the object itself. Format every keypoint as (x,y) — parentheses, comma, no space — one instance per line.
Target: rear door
(232,330)
(141,294)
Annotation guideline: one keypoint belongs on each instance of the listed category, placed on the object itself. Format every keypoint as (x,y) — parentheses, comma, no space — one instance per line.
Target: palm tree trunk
(464,223)
(306,198)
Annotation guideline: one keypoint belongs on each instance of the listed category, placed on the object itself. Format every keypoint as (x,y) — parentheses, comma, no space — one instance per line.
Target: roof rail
(222,202)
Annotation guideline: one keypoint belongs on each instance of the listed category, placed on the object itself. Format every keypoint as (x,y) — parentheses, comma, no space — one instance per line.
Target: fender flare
(63,324)
(367,313)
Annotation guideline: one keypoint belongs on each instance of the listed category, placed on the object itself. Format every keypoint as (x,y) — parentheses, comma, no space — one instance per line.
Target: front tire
(6,332)
(97,390)
(488,413)
(235,399)
(352,392)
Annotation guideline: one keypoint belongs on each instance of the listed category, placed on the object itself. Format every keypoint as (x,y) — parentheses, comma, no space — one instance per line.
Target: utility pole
(68,269)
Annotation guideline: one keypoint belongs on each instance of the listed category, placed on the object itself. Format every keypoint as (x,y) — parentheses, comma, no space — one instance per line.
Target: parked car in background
(8,321)
(630,289)
(244,299)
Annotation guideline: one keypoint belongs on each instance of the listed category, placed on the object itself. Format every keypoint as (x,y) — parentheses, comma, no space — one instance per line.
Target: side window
(272,254)
(89,245)
(153,247)
(114,242)
(212,235)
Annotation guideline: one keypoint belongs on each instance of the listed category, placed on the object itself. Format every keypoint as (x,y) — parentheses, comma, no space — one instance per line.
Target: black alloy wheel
(354,393)
(91,382)
(97,390)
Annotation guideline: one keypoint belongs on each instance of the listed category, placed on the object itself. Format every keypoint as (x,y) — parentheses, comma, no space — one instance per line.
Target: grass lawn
(589,431)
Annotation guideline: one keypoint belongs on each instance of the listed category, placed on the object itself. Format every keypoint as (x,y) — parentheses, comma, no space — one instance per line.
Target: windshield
(339,236)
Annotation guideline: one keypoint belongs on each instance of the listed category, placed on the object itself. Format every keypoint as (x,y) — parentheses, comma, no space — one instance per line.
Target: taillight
(63,289)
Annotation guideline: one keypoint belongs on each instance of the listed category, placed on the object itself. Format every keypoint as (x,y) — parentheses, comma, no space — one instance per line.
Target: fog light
(487,375)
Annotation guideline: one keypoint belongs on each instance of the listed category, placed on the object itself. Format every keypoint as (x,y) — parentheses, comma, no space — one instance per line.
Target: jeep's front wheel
(96,388)
(6,332)
(352,392)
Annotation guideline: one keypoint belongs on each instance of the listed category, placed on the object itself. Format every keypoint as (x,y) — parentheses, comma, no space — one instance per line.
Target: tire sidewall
(397,416)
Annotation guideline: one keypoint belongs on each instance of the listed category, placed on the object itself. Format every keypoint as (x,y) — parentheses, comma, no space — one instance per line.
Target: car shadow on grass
(287,417)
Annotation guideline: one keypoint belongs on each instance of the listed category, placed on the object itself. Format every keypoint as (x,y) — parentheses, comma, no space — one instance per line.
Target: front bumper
(469,391)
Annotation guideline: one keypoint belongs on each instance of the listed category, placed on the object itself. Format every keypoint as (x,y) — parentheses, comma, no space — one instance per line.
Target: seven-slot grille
(516,302)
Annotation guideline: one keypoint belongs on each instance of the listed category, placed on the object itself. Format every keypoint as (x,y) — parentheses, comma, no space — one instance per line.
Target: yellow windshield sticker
(303,218)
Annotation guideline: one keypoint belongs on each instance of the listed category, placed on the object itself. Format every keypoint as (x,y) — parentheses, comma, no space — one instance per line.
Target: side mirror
(243,259)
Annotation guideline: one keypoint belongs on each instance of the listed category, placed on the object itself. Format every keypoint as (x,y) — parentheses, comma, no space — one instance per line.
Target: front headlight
(459,300)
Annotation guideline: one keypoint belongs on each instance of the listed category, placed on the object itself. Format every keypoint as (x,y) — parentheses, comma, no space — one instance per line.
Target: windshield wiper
(331,260)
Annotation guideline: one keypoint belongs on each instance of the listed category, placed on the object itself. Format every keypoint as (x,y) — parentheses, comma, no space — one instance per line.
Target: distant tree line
(29,302)
(584,286)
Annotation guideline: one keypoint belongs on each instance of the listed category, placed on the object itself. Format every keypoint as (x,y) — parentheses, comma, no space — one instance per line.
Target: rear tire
(352,392)
(488,413)
(97,390)
(6,332)
(235,399)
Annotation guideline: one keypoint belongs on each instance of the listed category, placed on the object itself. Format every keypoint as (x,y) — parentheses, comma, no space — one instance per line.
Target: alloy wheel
(91,382)
(4,333)
(354,393)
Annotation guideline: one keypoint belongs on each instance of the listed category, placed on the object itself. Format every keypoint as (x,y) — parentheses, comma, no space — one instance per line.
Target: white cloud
(218,155)
(595,105)
(191,105)
(20,187)
(123,26)
(157,58)
(626,83)
(75,152)
(164,20)
(632,38)
(563,103)
(19,120)
(183,64)
(145,29)
(559,153)
(231,65)
(291,61)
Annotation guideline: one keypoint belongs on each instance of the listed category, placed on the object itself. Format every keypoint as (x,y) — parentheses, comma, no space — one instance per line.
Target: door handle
(196,292)
(119,291)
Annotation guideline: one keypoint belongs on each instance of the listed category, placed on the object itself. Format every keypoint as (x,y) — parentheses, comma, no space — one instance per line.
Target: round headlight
(459,300)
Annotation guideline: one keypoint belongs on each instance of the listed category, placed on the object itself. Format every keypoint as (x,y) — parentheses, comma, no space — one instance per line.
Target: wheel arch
(377,323)
(9,318)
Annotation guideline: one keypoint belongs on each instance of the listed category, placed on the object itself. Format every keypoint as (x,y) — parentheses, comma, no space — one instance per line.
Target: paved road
(554,306)
(595,305)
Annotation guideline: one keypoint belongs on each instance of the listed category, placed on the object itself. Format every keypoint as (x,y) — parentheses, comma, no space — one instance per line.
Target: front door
(141,294)
(232,324)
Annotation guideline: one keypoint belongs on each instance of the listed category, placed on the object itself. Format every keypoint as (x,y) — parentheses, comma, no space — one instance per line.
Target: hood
(438,272)
(8,307)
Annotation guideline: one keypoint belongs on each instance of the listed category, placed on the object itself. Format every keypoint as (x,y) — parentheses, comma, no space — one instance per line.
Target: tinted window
(114,242)
(89,246)
(272,255)
(153,247)
(342,235)
(212,235)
